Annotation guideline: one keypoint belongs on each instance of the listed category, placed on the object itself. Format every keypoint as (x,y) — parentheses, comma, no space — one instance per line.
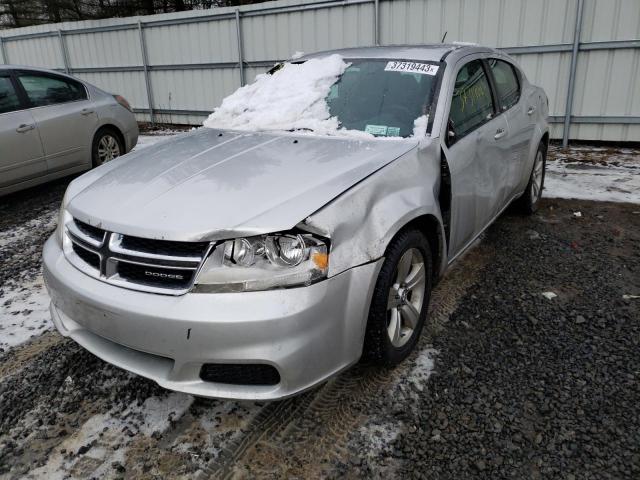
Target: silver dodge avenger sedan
(253,262)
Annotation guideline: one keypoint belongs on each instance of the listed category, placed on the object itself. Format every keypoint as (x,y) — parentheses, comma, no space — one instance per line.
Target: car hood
(212,184)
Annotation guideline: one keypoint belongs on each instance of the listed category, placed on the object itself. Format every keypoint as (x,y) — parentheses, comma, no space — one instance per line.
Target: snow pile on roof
(292,98)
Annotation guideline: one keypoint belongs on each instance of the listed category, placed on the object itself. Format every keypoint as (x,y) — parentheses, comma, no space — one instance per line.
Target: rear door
(21,155)
(508,88)
(475,154)
(64,116)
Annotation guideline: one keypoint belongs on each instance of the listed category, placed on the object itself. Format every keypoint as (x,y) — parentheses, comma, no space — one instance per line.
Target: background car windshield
(382,102)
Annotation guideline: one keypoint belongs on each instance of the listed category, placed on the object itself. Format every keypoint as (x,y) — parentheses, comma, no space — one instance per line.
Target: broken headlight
(264,262)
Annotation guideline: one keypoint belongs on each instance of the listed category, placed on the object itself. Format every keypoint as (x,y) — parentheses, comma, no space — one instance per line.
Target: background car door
(475,155)
(64,116)
(21,155)
(511,104)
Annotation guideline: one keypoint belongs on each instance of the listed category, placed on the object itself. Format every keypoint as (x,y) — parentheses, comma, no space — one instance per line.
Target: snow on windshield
(292,98)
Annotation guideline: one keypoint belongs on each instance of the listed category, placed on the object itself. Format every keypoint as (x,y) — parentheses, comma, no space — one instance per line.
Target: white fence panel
(194,59)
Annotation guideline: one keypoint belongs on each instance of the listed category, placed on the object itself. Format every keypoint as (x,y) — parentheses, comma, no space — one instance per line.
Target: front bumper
(308,334)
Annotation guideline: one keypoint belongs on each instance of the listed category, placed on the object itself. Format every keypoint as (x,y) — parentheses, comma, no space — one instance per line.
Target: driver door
(21,155)
(475,153)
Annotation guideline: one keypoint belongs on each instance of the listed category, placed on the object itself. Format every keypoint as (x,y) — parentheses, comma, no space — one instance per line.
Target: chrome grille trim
(112,255)
(80,235)
(115,245)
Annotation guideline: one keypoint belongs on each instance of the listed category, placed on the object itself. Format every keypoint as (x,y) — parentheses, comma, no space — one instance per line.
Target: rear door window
(506,82)
(472,103)
(9,101)
(45,90)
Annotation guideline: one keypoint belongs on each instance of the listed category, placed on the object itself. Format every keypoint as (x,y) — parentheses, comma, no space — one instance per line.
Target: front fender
(362,221)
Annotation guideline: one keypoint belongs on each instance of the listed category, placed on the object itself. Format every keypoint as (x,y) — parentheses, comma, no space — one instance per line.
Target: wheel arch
(115,129)
(431,227)
(545,139)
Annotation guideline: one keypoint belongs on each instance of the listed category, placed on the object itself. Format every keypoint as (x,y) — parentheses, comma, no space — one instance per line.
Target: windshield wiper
(305,129)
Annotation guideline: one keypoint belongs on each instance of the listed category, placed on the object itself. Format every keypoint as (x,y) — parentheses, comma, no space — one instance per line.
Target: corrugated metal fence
(175,68)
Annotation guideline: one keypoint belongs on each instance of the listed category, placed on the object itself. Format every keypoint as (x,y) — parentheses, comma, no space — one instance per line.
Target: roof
(35,69)
(429,52)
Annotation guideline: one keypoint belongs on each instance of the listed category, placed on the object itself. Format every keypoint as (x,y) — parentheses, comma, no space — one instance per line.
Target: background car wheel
(107,145)
(530,199)
(400,300)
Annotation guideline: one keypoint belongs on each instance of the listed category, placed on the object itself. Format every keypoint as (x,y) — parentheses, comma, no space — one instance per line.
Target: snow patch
(423,368)
(292,98)
(593,173)
(24,312)
(219,425)
(420,126)
(12,236)
(106,437)
(380,436)
(157,413)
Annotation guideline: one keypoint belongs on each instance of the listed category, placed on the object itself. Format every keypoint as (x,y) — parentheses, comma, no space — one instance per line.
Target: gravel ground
(530,387)
(506,383)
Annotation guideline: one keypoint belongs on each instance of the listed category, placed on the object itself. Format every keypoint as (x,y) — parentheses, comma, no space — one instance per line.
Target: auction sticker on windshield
(411,67)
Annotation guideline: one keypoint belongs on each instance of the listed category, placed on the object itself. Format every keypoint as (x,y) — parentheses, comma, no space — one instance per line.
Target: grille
(240,374)
(159,266)
(164,247)
(155,276)
(87,256)
(90,231)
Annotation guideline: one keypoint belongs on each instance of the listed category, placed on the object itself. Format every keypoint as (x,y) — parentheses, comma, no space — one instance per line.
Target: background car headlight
(264,262)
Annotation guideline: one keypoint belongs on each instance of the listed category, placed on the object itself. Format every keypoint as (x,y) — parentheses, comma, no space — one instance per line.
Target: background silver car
(53,125)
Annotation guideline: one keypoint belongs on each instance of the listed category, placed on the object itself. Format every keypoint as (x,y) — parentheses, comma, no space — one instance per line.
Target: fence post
(572,74)
(3,52)
(240,53)
(376,22)
(63,49)
(145,68)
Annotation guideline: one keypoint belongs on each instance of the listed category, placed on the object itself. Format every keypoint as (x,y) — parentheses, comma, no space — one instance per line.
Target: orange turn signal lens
(321,260)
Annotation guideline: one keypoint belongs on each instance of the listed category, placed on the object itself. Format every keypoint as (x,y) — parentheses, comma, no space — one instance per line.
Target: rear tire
(400,300)
(107,145)
(528,202)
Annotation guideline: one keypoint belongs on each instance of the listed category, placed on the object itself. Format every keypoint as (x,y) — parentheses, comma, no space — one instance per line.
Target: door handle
(86,111)
(501,132)
(531,110)
(25,127)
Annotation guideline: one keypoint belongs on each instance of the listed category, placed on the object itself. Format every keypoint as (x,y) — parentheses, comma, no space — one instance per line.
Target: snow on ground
(44,222)
(423,368)
(593,173)
(115,436)
(24,312)
(106,437)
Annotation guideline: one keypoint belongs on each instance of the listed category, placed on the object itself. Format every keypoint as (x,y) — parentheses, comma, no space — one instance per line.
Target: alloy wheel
(108,149)
(536,184)
(406,297)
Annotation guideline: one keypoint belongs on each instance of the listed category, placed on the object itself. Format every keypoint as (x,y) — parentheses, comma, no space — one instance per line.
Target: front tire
(106,146)
(400,300)
(530,199)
